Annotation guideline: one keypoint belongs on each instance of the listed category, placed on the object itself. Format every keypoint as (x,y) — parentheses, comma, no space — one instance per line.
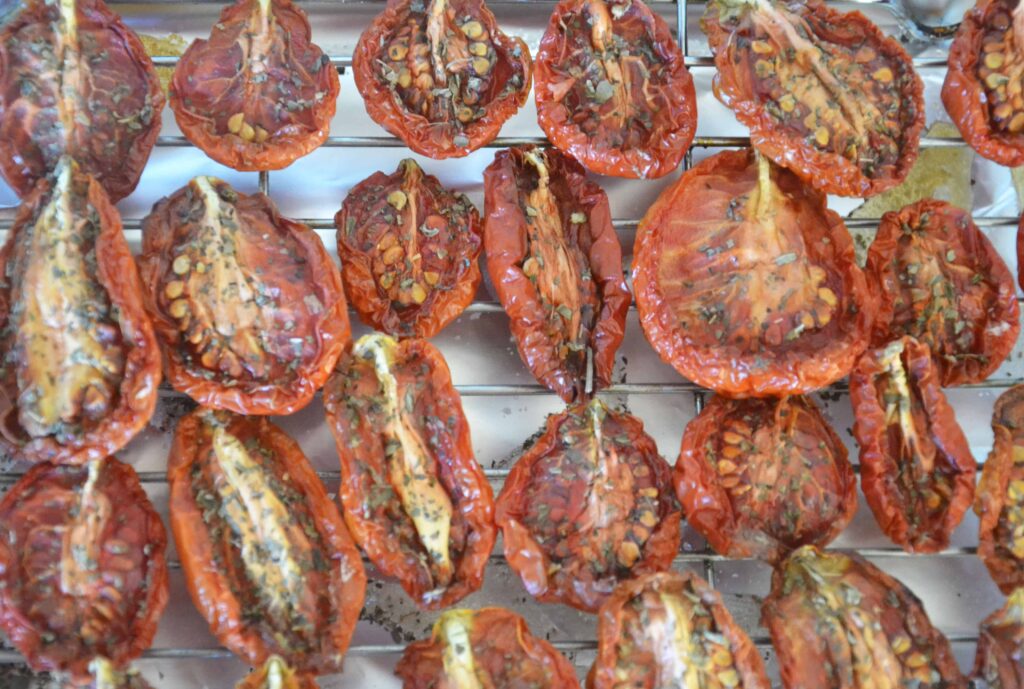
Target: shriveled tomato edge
(280,149)
(713,367)
(415,130)
(996,649)
(610,629)
(137,392)
(505,245)
(279,399)
(879,263)
(474,500)
(361,286)
(829,172)
(527,557)
(879,470)
(661,156)
(209,587)
(1020,251)
(24,635)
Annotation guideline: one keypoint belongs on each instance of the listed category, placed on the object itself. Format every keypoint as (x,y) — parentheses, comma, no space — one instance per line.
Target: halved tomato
(1000,496)
(1001,646)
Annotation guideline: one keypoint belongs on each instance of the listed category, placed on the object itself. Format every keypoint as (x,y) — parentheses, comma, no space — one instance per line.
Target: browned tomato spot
(1001,645)
(1000,498)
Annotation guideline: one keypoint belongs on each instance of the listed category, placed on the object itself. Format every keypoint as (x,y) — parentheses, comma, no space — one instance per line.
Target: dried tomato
(82,569)
(1001,646)
(613,90)
(277,674)
(74,80)
(267,558)
(248,305)
(79,364)
(556,263)
(440,75)
(489,647)
(758,478)
(836,620)
(589,504)
(747,283)
(671,629)
(917,471)
(409,250)
(412,492)
(106,676)
(983,87)
(825,93)
(939,280)
(258,94)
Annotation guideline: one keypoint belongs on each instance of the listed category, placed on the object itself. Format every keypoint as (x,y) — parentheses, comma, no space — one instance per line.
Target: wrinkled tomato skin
(624,634)
(604,149)
(283,259)
(112,135)
(901,511)
(504,651)
(710,350)
(298,81)
(945,251)
(213,562)
(116,616)
(590,248)
(785,444)
(432,138)
(381,525)
(1001,645)
(438,226)
(574,527)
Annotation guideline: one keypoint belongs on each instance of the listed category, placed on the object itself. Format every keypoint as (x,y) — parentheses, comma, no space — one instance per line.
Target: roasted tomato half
(825,93)
(248,305)
(409,251)
(613,90)
(490,647)
(1001,645)
(412,492)
(74,80)
(917,471)
(440,75)
(267,558)
(671,629)
(82,570)
(79,364)
(258,94)
(938,279)
(836,620)
(758,478)
(1000,499)
(556,263)
(588,505)
(746,283)
(984,88)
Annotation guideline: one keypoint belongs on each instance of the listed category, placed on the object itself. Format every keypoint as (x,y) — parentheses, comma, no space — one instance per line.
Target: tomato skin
(603,151)
(897,508)
(204,94)
(1020,251)
(115,610)
(383,527)
(1000,644)
(311,306)
(589,248)
(548,520)
(453,220)
(945,248)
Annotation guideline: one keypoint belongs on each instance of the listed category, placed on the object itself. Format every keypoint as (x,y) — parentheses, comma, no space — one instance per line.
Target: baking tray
(504,405)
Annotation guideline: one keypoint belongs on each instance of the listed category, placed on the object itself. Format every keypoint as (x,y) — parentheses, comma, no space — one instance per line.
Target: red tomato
(74,80)
(412,492)
(248,305)
(409,250)
(825,93)
(82,570)
(258,94)
(746,283)
(613,90)
(79,364)
(556,264)
(440,75)
(939,280)
(1001,646)
(589,504)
